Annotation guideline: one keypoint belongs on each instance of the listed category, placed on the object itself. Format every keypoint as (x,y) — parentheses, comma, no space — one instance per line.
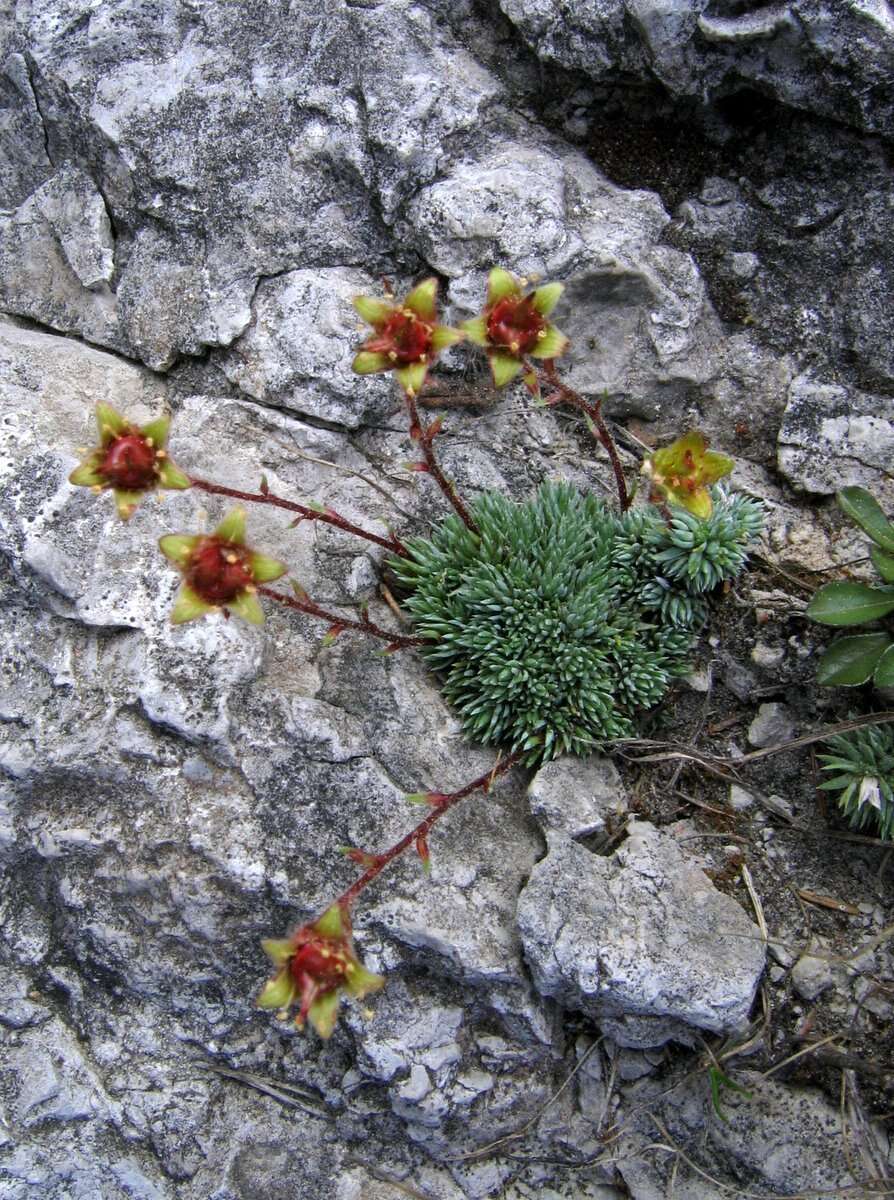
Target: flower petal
(323,1014)
(278,992)
(367,362)
(279,950)
(412,377)
(86,475)
(476,330)
(110,422)
(126,502)
(331,924)
(551,345)
(547,297)
(443,336)
(232,527)
(423,300)
(170,476)
(265,569)
(178,547)
(157,432)
(504,368)
(248,607)
(360,982)
(189,606)
(374,312)
(501,284)
(699,502)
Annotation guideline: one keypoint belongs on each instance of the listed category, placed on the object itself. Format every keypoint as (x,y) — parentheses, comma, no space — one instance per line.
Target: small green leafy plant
(851,661)
(862,767)
(552,623)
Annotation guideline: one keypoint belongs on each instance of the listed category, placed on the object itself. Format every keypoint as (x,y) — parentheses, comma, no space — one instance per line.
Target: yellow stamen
(513,346)
(150,442)
(96,489)
(250,589)
(541,334)
(161,454)
(231,558)
(392,354)
(411,392)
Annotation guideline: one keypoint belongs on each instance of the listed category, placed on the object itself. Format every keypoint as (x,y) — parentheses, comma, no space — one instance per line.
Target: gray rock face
(802,52)
(577,797)
(642,938)
(196,192)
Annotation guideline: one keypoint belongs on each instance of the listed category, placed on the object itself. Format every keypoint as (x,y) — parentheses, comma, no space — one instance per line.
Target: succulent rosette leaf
(514,327)
(314,966)
(406,337)
(130,459)
(219,571)
(683,473)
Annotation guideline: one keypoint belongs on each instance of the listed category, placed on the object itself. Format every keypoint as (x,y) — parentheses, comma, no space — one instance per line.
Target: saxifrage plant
(862,766)
(551,623)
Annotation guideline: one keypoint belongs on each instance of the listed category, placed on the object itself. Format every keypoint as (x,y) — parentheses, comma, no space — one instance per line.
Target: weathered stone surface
(577,797)
(202,190)
(642,935)
(803,52)
(832,436)
(779,1140)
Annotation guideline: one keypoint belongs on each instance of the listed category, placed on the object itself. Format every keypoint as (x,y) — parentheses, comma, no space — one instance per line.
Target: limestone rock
(642,938)
(576,797)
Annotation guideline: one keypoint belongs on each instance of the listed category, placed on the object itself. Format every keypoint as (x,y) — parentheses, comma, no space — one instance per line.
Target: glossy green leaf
(851,660)
(857,503)
(884,672)
(848,603)
(883,563)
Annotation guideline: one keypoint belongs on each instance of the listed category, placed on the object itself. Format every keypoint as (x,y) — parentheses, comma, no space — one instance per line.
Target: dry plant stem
(594,411)
(327,516)
(396,641)
(441,803)
(425,436)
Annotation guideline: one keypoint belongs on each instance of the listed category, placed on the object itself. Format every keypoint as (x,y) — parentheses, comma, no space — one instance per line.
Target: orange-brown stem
(564,394)
(441,803)
(304,604)
(327,516)
(425,436)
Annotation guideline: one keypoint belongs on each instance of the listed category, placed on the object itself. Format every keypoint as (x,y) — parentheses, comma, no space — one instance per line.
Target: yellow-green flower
(130,459)
(513,327)
(684,471)
(407,338)
(220,571)
(315,965)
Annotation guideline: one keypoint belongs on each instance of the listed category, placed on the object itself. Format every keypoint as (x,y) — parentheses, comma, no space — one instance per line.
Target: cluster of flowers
(221,573)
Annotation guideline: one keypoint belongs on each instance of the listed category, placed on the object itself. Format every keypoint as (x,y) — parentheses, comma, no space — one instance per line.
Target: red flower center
(515,323)
(320,961)
(219,571)
(404,337)
(129,463)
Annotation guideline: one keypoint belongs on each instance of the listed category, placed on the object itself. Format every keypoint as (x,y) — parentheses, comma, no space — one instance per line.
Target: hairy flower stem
(303,603)
(328,516)
(425,436)
(562,393)
(418,837)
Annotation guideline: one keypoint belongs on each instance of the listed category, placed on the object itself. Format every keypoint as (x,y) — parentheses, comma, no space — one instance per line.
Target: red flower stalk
(130,459)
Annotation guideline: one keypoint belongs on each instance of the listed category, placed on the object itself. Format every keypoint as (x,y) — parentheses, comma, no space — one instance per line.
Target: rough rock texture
(641,941)
(189,196)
